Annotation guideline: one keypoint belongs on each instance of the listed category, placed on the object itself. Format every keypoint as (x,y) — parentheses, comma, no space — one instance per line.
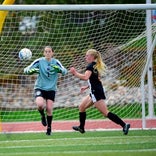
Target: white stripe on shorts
(93,97)
(91,94)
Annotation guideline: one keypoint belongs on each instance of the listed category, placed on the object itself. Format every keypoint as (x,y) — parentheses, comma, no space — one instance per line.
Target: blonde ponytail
(100,65)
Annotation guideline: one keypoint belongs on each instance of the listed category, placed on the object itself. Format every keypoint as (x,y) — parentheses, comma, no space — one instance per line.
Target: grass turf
(96,143)
(72,113)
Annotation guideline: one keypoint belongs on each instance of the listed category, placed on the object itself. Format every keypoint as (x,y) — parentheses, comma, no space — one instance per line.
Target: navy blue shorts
(47,95)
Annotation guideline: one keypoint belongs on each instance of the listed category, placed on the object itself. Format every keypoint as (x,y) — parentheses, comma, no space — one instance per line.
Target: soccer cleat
(77,128)
(48,131)
(126,128)
(43,121)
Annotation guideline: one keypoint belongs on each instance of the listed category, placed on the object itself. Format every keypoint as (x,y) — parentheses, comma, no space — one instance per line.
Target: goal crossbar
(79,7)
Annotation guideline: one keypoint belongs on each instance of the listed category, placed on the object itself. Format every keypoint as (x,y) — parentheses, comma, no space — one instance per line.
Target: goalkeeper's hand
(56,68)
(31,71)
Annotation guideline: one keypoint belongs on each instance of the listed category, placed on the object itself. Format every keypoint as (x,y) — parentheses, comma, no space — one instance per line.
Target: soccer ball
(25,54)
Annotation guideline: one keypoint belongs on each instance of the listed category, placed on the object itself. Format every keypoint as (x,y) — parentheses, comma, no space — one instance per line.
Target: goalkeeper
(48,69)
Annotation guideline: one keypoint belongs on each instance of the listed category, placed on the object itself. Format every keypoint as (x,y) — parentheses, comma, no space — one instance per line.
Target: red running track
(67,125)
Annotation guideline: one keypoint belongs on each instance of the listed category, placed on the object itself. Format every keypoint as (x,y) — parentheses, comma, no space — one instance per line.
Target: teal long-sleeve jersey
(47,73)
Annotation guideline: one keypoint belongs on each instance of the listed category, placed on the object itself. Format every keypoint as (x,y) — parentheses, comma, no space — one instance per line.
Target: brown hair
(49,47)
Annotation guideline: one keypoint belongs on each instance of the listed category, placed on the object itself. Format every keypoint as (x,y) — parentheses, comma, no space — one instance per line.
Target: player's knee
(40,105)
(82,108)
(39,102)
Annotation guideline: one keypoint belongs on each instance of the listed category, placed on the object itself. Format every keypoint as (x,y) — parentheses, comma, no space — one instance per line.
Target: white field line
(78,138)
(39,143)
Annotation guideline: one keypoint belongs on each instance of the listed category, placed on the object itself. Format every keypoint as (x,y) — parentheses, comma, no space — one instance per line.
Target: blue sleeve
(33,65)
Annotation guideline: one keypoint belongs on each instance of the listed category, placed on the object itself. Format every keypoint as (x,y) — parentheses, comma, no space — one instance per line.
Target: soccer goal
(118,32)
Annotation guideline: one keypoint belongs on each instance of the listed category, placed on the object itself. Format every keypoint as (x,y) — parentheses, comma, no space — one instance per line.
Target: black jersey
(95,85)
(94,78)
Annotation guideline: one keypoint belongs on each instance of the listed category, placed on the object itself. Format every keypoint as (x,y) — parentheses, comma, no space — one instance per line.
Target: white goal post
(118,31)
(80,7)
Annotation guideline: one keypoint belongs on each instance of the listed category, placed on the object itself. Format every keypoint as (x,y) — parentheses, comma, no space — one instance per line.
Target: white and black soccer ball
(25,54)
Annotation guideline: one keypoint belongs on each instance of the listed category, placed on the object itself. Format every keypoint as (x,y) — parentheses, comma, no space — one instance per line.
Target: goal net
(120,37)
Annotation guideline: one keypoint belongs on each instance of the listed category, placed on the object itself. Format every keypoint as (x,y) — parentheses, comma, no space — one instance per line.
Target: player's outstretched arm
(31,71)
(59,69)
(84,76)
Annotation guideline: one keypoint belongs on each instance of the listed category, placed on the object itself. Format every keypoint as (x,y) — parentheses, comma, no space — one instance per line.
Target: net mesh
(120,37)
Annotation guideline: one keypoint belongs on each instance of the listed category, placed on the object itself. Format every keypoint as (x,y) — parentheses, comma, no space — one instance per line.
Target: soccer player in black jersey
(94,70)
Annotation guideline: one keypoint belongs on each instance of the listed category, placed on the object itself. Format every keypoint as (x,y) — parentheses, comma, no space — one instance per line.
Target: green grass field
(72,113)
(97,143)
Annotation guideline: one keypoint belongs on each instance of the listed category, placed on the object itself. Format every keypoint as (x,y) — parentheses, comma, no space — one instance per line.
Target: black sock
(82,118)
(115,119)
(49,120)
(41,112)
